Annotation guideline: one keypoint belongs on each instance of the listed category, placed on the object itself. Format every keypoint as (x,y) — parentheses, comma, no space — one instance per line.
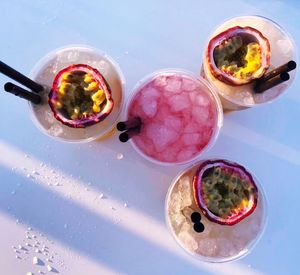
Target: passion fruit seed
(237,58)
(224,192)
(225,50)
(79,95)
(98,98)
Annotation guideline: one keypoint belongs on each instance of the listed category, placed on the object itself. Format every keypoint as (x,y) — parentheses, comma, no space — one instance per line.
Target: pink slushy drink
(180,114)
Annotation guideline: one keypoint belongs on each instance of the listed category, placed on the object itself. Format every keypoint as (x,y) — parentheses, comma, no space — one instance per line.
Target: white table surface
(89,235)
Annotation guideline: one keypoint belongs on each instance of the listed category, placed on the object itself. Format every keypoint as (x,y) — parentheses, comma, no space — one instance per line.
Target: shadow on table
(87,232)
(131,178)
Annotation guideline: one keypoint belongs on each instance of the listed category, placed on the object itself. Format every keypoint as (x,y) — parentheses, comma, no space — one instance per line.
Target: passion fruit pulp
(80,96)
(225,191)
(238,55)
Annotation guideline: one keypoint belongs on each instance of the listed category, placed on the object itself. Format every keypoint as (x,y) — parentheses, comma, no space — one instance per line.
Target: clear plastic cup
(217,243)
(156,76)
(282,51)
(44,72)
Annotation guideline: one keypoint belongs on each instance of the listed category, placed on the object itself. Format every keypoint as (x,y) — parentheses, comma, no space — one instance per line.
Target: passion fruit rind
(80,96)
(238,55)
(227,192)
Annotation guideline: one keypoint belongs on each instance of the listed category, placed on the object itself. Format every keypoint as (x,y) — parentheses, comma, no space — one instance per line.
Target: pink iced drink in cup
(173,116)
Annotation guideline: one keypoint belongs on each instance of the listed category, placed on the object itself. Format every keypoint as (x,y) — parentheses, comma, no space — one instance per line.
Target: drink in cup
(216,210)
(249,61)
(82,96)
(172,117)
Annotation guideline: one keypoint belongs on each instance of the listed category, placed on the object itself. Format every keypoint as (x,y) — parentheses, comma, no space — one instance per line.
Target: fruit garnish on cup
(249,60)
(80,96)
(238,55)
(224,191)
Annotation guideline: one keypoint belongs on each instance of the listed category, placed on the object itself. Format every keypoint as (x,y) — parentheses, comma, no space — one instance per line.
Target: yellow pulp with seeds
(238,59)
(226,194)
(79,95)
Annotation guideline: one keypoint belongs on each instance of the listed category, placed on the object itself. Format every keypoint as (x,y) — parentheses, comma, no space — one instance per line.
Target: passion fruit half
(238,55)
(225,191)
(80,96)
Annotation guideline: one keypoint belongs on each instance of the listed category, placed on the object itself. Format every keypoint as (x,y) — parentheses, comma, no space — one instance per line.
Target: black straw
(129,124)
(20,92)
(263,86)
(22,79)
(199,227)
(125,136)
(287,67)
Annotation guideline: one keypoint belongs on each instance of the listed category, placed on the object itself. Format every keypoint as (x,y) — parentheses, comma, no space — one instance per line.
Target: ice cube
(245,97)
(188,84)
(224,247)
(136,109)
(191,128)
(143,142)
(184,184)
(238,230)
(202,100)
(179,103)
(175,203)
(187,212)
(187,153)
(150,92)
(163,112)
(169,155)
(174,122)
(72,56)
(200,115)
(177,220)
(186,226)
(206,135)
(49,116)
(160,135)
(207,246)
(55,130)
(188,241)
(173,84)
(191,139)
(193,96)
(149,107)
(184,188)
(240,244)
(160,81)
(285,46)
